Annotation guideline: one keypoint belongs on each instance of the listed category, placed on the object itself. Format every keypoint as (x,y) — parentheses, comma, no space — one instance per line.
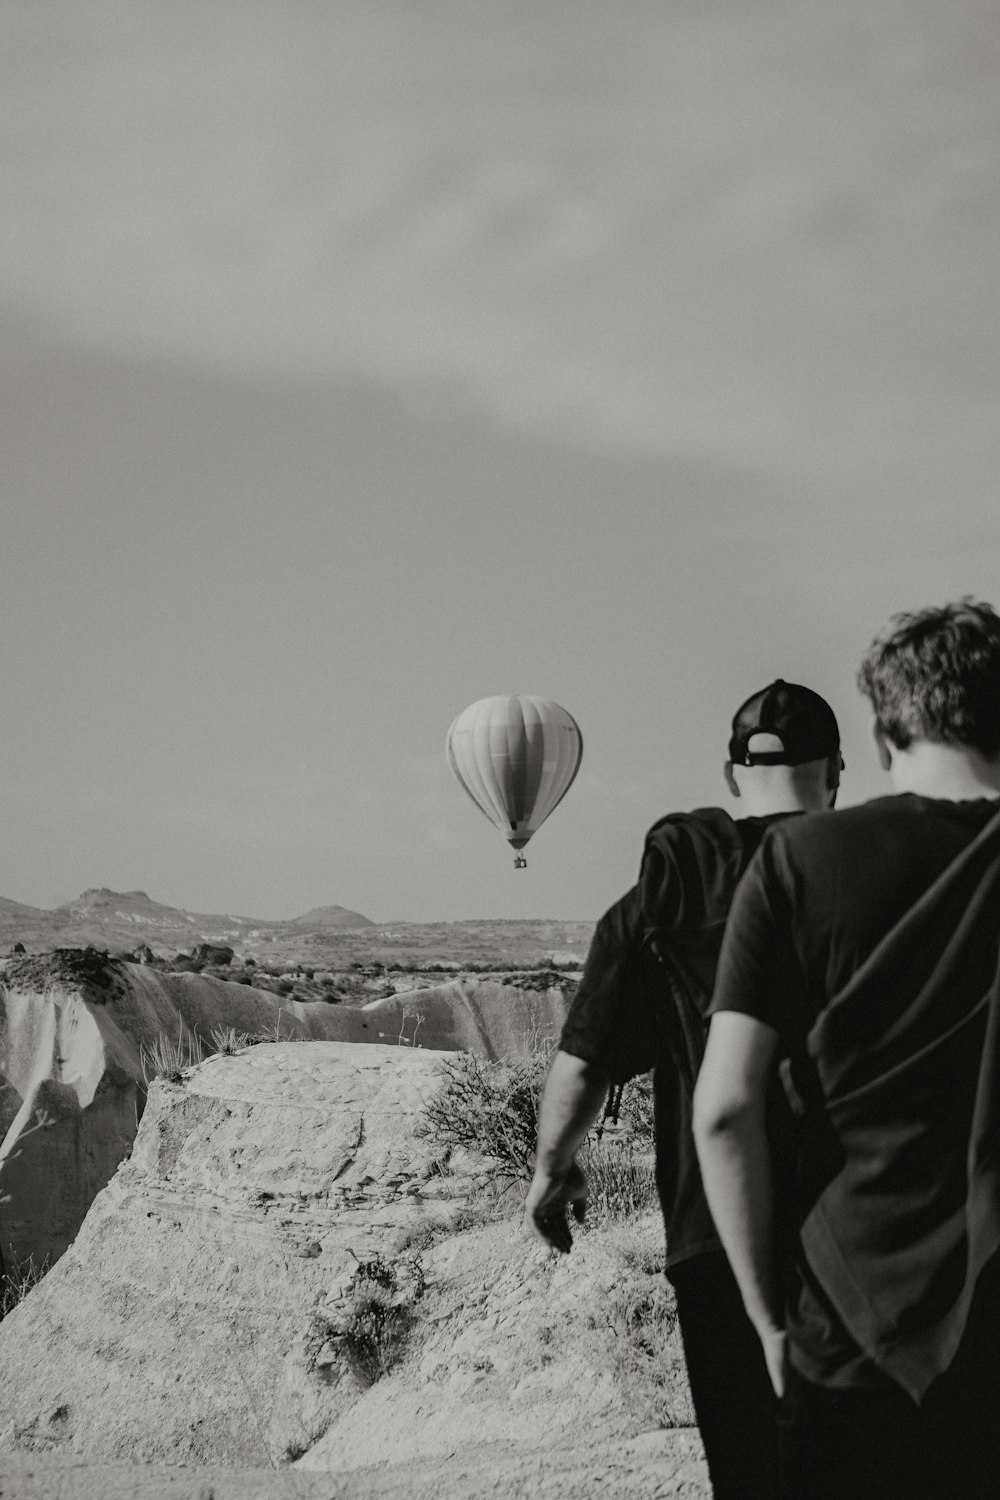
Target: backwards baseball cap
(802,720)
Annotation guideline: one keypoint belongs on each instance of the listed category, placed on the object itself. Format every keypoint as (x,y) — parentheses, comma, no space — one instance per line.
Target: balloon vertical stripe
(517,760)
(534,730)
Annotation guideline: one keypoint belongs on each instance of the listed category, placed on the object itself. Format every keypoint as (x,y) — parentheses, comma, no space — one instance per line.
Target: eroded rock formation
(72,1029)
(201,1314)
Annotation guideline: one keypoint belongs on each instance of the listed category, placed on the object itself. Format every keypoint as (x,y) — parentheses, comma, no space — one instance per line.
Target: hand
(775,1342)
(548,1198)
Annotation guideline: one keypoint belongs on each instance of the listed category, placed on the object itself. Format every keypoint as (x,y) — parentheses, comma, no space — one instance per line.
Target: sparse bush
(226,1040)
(489,1107)
(540,977)
(17,1282)
(642,1315)
(636,1109)
(380,1314)
(164,1057)
(621,1180)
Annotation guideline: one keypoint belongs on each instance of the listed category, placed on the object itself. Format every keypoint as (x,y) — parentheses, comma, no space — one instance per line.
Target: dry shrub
(646,1357)
(490,1108)
(168,1057)
(636,1110)
(621,1180)
(17,1281)
(165,1057)
(381,1314)
(226,1040)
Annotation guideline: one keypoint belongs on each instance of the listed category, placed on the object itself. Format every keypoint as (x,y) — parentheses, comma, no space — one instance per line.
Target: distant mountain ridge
(326,936)
(101,917)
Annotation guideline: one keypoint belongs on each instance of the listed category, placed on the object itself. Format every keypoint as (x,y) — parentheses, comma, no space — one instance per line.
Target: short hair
(935,675)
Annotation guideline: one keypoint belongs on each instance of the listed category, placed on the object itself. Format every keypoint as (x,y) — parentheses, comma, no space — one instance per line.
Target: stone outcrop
(468,1015)
(202,1314)
(213,953)
(188,1317)
(72,1030)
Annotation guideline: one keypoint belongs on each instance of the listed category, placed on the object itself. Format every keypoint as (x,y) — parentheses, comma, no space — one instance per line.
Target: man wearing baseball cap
(641,1005)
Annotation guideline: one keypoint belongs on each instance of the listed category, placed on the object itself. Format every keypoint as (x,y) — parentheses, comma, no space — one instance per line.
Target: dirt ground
(659,1465)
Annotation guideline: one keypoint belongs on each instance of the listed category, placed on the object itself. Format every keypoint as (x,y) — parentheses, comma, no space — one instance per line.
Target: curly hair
(935,675)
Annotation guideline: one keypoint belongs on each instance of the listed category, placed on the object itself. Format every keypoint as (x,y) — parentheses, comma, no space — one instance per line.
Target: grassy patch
(17,1282)
(226,1040)
(646,1356)
(621,1180)
(167,1057)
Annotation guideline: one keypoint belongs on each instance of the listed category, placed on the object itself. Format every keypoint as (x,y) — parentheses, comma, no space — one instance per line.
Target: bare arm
(571,1101)
(730,1134)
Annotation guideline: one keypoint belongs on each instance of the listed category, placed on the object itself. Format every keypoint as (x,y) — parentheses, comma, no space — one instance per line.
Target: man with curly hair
(861,956)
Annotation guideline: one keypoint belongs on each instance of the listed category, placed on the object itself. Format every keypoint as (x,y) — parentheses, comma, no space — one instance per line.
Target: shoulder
(810,835)
(706,827)
(825,851)
(692,848)
(691,865)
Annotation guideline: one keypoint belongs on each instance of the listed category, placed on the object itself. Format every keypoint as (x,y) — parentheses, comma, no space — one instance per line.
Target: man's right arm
(759,988)
(730,1132)
(571,1101)
(607,1037)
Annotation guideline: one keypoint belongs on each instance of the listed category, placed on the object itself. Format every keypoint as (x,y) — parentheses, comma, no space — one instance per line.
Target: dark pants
(844,1445)
(733,1398)
(879,1445)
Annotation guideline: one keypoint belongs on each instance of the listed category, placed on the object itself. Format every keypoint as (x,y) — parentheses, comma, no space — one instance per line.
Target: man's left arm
(733,1150)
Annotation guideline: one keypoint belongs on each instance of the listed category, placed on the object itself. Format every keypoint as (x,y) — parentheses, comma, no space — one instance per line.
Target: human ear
(882,749)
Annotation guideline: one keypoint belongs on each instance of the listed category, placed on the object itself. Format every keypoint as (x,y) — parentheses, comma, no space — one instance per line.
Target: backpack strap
(679,1004)
(612,1106)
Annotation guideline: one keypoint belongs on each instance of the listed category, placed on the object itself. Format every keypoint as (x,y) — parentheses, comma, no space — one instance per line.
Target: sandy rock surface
(73,1051)
(196,1319)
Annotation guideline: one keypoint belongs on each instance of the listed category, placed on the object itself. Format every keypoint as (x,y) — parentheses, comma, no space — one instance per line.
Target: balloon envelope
(516,757)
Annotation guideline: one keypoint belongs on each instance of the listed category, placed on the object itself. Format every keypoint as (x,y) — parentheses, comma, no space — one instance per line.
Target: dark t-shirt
(817,899)
(618,1021)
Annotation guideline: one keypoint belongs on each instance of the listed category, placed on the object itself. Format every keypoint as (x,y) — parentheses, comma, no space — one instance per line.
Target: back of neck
(955,773)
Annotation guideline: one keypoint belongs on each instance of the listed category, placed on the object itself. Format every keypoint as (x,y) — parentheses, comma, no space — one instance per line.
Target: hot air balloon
(516,757)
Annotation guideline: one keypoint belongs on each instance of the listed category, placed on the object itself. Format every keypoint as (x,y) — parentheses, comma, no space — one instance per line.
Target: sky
(363,358)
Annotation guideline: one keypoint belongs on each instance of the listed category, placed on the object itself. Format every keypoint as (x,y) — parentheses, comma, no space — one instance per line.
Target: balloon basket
(520,863)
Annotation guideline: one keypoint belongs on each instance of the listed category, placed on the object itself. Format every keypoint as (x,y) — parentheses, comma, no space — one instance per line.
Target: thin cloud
(646,246)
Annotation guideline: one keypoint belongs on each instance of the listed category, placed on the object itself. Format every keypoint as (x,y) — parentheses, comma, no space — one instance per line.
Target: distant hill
(328,936)
(119,920)
(331,916)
